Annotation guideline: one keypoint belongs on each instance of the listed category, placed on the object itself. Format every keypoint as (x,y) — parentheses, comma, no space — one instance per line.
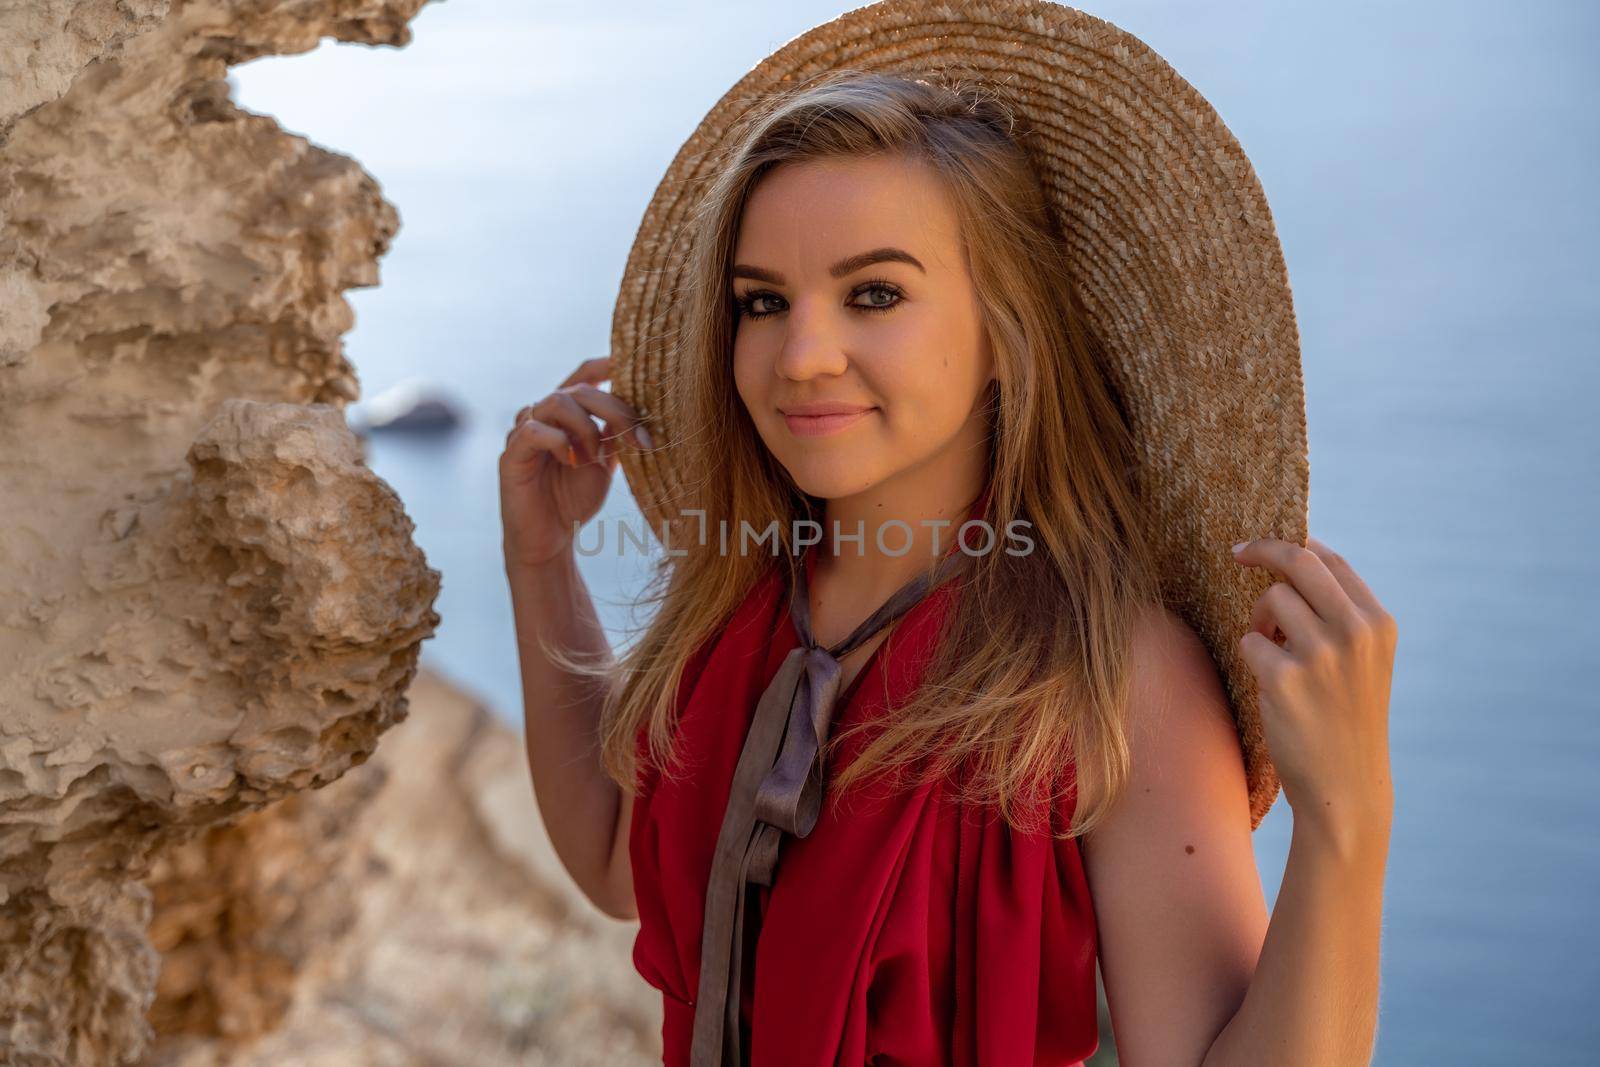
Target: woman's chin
(829,481)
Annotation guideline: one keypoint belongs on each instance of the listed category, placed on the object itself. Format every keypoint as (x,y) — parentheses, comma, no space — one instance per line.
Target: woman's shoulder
(1182,740)
(1167,657)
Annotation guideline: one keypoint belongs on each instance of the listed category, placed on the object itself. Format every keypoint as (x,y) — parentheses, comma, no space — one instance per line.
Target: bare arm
(1195,973)
(554,475)
(1177,894)
(1314,998)
(585,812)
(1322,649)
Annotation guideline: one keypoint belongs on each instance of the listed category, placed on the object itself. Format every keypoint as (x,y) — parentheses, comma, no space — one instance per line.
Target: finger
(1282,608)
(593,371)
(1265,659)
(563,410)
(620,417)
(1356,589)
(1303,569)
(531,437)
(523,415)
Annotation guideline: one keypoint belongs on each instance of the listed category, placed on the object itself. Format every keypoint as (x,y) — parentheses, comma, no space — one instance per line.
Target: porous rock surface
(210,609)
(410,913)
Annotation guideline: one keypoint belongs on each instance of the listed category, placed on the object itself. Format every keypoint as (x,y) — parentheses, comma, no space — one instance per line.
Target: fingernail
(644,436)
(572,456)
(1239,547)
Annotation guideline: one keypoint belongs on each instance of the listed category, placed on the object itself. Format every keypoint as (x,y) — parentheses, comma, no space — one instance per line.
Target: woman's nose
(810,345)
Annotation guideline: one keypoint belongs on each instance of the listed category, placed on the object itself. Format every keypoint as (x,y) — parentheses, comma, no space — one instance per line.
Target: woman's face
(854,298)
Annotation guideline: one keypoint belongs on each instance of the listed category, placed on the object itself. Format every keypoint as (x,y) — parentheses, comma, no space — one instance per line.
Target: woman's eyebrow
(851,264)
(847,265)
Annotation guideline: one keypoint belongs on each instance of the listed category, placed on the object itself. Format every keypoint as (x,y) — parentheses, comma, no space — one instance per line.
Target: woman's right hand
(557,465)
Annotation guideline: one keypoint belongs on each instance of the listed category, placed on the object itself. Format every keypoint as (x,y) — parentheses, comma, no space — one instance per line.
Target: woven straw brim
(1181,274)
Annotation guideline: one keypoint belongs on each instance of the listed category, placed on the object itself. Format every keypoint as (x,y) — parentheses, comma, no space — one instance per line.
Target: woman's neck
(904,525)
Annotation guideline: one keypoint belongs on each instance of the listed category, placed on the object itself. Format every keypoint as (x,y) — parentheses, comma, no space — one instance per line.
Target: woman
(1032,762)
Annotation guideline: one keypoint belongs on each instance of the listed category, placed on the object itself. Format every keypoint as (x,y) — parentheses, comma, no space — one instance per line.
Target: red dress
(904,929)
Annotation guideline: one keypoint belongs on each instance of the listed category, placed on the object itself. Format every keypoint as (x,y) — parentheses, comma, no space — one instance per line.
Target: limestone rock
(45,43)
(207,602)
(401,915)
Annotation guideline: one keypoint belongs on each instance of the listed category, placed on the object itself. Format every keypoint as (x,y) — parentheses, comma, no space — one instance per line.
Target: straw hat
(1181,274)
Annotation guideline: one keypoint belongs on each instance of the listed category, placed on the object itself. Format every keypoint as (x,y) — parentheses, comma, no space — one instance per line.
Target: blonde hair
(1032,666)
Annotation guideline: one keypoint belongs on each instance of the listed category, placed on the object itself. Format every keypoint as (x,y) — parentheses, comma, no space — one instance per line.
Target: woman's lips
(821,425)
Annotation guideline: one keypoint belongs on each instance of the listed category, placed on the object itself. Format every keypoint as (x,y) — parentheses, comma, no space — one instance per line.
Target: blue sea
(1432,171)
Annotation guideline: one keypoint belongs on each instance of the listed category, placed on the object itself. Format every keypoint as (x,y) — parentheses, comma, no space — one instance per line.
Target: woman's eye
(880,296)
(754,305)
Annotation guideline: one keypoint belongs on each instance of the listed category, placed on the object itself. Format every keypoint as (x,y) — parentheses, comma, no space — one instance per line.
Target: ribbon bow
(777,789)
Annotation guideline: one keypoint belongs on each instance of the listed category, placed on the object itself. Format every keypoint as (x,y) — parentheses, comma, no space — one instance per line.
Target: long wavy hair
(1027,686)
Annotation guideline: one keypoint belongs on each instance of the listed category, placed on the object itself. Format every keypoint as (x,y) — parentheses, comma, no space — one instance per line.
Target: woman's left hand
(1324,686)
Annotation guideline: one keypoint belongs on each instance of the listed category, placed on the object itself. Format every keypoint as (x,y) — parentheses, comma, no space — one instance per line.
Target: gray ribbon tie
(777,789)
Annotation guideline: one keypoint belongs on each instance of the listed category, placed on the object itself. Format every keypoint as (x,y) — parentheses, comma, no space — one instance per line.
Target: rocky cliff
(210,609)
